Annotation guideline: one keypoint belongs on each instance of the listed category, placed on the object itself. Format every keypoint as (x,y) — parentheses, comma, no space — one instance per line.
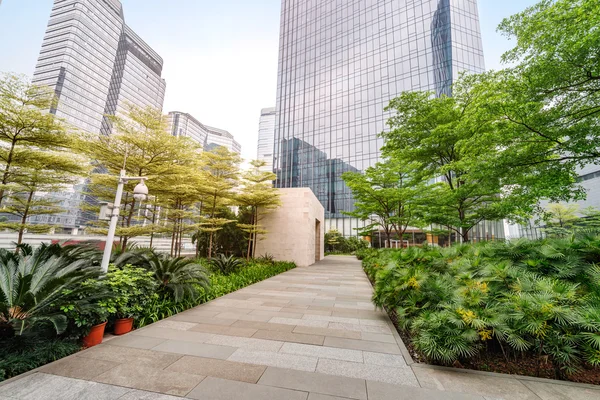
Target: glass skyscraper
(266,138)
(96,65)
(340,63)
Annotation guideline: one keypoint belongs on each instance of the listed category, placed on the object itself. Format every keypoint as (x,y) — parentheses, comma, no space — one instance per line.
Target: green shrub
(525,298)
(22,354)
(226,265)
(178,277)
(131,289)
(33,286)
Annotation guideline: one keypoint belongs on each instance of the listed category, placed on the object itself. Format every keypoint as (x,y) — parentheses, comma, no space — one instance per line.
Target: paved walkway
(308,334)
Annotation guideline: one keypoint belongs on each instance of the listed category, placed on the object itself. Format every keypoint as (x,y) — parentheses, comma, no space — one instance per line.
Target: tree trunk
(212,216)
(6,169)
(180,237)
(464,232)
(153,223)
(24,217)
(172,239)
(255,234)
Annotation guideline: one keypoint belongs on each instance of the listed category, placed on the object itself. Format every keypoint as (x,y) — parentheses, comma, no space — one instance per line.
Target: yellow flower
(413,283)
(485,334)
(467,315)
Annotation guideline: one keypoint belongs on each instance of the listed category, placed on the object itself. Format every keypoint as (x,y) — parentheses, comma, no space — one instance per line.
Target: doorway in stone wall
(317,240)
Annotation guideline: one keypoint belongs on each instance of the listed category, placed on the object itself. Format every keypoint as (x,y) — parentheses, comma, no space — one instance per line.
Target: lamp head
(140,192)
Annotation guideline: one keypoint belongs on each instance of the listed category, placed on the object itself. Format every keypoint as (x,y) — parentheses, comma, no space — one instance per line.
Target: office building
(97,66)
(266,138)
(218,137)
(184,125)
(339,65)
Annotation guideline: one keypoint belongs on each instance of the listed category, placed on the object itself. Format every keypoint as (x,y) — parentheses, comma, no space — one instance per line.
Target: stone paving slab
(195,349)
(220,389)
(310,333)
(290,337)
(316,383)
(39,386)
(150,379)
(218,369)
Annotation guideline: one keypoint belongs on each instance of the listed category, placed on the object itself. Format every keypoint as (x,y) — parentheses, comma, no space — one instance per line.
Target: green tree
(561,219)
(49,172)
(333,239)
(550,101)
(220,176)
(443,139)
(141,146)
(259,195)
(27,129)
(390,191)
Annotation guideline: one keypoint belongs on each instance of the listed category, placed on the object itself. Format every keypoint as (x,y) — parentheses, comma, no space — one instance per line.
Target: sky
(220,57)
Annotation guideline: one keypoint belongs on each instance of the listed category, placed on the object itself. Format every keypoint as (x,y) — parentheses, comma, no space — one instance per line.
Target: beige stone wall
(292,235)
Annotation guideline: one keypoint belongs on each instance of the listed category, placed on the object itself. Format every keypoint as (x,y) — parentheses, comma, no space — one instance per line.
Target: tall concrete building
(266,138)
(218,137)
(97,65)
(340,63)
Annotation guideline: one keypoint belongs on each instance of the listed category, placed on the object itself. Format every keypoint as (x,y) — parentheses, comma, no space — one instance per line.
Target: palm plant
(33,284)
(226,265)
(525,298)
(179,277)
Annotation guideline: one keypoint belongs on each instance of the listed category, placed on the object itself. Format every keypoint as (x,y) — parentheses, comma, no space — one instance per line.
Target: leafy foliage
(226,265)
(335,243)
(35,283)
(22,354)
(177,277)
(130,288)
(526,298)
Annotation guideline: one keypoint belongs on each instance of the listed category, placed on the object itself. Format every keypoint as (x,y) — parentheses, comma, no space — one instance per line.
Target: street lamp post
(140,192)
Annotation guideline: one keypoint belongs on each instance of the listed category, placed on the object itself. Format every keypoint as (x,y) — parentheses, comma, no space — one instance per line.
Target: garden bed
(527,307)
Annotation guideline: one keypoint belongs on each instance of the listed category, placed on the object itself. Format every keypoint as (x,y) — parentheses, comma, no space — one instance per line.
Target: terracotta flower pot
(95,336)
(123,326)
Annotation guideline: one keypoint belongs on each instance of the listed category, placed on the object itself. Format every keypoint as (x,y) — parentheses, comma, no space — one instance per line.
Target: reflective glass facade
(219,137)
(266,138)
(340,62)
(184,125)
(96,65)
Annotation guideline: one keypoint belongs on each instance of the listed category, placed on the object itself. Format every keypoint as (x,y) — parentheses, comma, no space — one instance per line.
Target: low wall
(162,245)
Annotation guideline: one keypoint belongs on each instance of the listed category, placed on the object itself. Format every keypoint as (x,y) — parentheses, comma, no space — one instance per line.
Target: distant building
(97,65)
(219,137)
(184,125)
(589,178)
(266,138)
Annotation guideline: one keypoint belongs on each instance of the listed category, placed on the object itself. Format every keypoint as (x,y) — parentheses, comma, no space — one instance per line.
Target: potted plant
(89,317)
(131,288)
